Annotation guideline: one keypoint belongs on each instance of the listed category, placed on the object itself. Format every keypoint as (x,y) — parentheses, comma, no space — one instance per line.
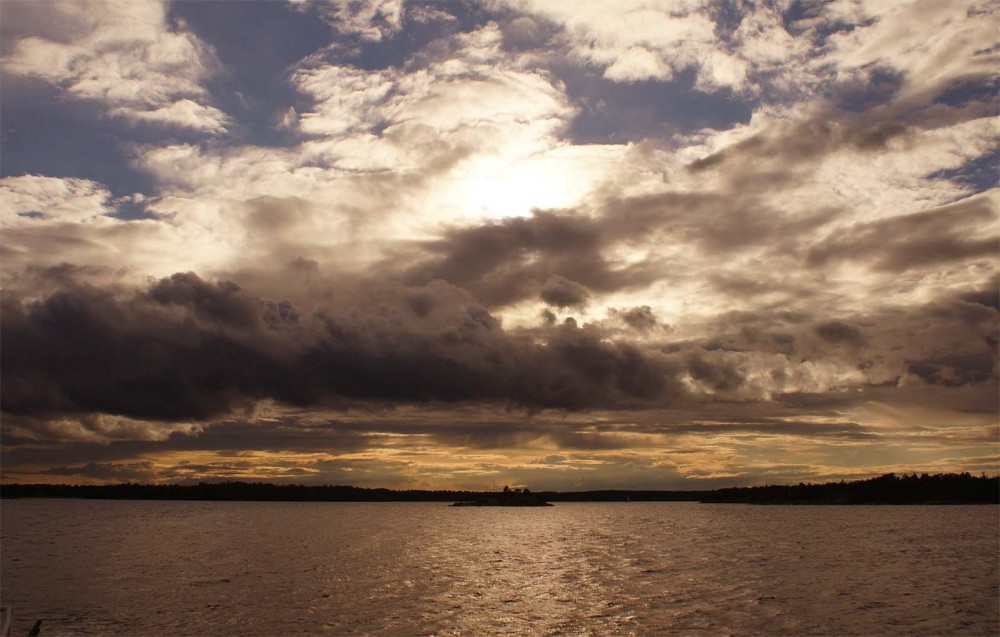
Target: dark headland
(951,488)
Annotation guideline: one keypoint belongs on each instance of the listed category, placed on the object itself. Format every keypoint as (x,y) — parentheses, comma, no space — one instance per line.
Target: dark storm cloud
(44,280)
(501,263)
(188,348)
(769,331)
(949,342)
(719,375)
(804,141)
(717,224)
(508,261)
(737,285)
(956,369)
(638,318)
(988,296)
(561,292)
(947,233)
(793,146)
(223,302)
(840,332)
(86,353)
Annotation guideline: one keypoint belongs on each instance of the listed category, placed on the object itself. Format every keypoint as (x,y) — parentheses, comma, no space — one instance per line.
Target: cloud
(988,296)
(933,44)
(642,40)
(370,20)
(524,33)
(505,262)
(35,199)
(401,447)
(129,472)
(955,232)
(91,428)
(641,318)
(423,14)
(840,332)
(561,292)
(778,52)
(185,348)
(91,229)
(222,303)
(466,78)
(460,134)
(121,54)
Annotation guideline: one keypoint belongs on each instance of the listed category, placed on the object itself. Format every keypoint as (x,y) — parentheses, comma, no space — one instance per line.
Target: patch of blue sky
(880,86)
(260,43)
(130,210)
(257,43)
(398,48)
(43,133)
(978,175)
(806,12)
(978,90)
(614,112)
(800,10)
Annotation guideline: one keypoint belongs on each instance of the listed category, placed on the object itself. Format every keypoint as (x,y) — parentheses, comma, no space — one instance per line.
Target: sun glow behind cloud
(513,182)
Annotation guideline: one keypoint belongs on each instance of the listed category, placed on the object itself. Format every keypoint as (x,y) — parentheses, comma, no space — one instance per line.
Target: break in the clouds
(445,244)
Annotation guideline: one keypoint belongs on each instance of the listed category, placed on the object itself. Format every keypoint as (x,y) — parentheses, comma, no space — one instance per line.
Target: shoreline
(889,489)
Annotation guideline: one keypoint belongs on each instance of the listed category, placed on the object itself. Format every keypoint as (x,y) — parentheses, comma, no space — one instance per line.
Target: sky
(675,244)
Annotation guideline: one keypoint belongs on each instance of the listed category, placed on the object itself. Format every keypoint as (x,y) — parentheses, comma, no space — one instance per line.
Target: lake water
(246,568)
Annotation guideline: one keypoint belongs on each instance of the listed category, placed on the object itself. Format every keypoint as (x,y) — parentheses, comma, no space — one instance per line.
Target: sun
(512,184)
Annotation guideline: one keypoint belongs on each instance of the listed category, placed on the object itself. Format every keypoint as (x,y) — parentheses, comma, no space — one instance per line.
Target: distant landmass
(950,488)
(506,498)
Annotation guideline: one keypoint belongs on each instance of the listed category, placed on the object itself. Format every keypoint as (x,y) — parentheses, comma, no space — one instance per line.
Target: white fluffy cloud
(934,43)
(373,20)
(642,40)
(121,54)
(36,200)
(454,139)
(48,221)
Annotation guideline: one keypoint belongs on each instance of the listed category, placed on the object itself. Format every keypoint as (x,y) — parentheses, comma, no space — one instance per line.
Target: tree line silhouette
(942,488)
(949,488)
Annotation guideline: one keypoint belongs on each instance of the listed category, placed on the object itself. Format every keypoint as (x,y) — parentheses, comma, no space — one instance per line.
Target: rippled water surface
(246,568)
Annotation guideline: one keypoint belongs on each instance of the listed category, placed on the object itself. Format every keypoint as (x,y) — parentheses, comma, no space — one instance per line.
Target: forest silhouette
(950,488)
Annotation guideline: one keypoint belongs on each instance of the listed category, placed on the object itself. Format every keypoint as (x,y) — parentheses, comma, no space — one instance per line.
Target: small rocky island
(506,498)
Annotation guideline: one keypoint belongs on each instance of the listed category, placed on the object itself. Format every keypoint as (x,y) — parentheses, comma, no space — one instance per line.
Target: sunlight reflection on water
(198,568)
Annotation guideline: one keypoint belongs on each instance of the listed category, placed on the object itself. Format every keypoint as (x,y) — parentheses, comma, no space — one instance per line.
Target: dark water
(243,568)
